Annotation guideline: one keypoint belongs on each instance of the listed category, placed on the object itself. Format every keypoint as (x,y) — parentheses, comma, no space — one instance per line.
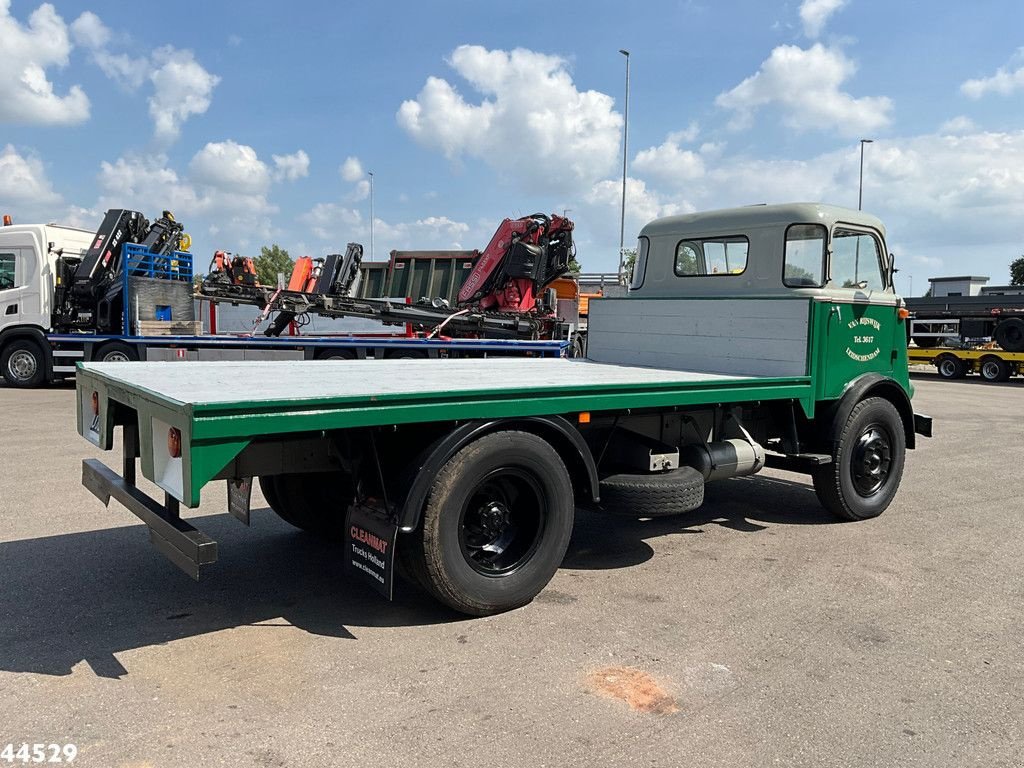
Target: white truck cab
(28,255)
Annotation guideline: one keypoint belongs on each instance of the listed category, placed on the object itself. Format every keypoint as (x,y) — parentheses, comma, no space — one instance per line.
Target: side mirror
(890,269)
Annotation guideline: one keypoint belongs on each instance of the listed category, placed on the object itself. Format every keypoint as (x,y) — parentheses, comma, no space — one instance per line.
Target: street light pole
(860,186)
(625,141)
(370,174)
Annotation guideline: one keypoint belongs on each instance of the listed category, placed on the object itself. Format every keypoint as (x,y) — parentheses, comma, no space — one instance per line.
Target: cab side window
(856,260)
(714,256)
(804,265)
(7,261)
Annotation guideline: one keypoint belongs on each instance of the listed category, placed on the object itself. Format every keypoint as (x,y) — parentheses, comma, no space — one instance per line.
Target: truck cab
(28,269)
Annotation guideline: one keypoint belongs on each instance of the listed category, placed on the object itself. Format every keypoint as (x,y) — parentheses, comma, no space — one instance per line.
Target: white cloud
(339,224)
(669,162)
(330,221)
(224,194)
(958,125)
(26,52)
(291,167)
(530,117)
(1005,81)
(351,169)
(360,191)
(815,13)
(23,182)
(181,88)
(229,166)
(805,84)
(89,31)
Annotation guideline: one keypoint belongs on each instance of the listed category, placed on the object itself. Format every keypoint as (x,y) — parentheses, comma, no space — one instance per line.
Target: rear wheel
(115,352)
(336,354)
(496,524)
(994,369)
(951,367)
(867,463)
(315,502)
(23,364)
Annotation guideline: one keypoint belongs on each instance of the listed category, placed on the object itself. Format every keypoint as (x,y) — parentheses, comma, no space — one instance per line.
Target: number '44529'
(38,753)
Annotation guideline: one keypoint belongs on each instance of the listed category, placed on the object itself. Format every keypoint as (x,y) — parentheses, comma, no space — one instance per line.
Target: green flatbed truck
(751,337)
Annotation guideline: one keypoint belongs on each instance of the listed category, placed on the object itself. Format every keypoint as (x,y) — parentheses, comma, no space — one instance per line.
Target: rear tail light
(95,403)
(174,442)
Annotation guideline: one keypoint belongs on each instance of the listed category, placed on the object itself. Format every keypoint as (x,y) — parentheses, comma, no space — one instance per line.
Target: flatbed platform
(215,388)
(219,407)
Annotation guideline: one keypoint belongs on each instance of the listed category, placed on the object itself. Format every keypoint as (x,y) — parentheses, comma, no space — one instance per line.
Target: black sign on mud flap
(370,536)
(240,497)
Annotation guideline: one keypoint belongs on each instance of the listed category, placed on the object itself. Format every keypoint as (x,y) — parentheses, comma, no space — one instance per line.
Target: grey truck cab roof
(765,250)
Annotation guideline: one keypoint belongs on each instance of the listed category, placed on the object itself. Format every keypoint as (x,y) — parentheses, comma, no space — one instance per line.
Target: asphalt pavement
(756,631)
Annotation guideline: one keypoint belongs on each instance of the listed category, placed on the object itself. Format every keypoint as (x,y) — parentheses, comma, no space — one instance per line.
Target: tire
(23,364)
(994,369)
(1010,334)
(115,352)
(269,489)
(315,502)
(867,463)
(951,367)
(926,342)
(578,346)
(405,354)
(336,354)
(659,495)
(496,524)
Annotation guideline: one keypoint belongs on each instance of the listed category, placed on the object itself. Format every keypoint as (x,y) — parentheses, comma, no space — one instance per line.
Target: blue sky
(261,126)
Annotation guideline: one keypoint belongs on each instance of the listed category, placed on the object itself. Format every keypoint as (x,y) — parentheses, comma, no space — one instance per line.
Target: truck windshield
(856,260)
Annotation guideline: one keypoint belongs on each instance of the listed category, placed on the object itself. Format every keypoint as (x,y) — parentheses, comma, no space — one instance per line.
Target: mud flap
(370,535)
(240,498)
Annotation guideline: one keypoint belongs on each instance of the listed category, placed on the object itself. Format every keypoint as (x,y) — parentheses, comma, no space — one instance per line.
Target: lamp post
(625,141)
(860,186)
(370,174)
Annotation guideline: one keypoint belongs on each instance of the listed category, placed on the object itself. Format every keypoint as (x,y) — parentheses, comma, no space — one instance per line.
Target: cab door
(11,281)
(863,323)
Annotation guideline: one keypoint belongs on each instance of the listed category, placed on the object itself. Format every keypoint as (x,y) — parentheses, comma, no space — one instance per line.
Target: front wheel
(496,525)
(23,364)
(867,462)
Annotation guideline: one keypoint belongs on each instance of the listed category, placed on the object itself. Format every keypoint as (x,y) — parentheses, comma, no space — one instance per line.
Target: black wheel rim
(503,521)
(872,460)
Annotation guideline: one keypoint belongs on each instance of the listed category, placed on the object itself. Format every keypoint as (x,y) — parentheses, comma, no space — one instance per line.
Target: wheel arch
(870,385)
(556,430)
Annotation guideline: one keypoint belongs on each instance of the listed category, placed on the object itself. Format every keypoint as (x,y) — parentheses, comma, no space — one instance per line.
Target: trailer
(991,363)
(463,477)
(938,320)
(68,295)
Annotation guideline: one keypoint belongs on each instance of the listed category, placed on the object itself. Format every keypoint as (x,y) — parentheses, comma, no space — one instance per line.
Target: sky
(264,126)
